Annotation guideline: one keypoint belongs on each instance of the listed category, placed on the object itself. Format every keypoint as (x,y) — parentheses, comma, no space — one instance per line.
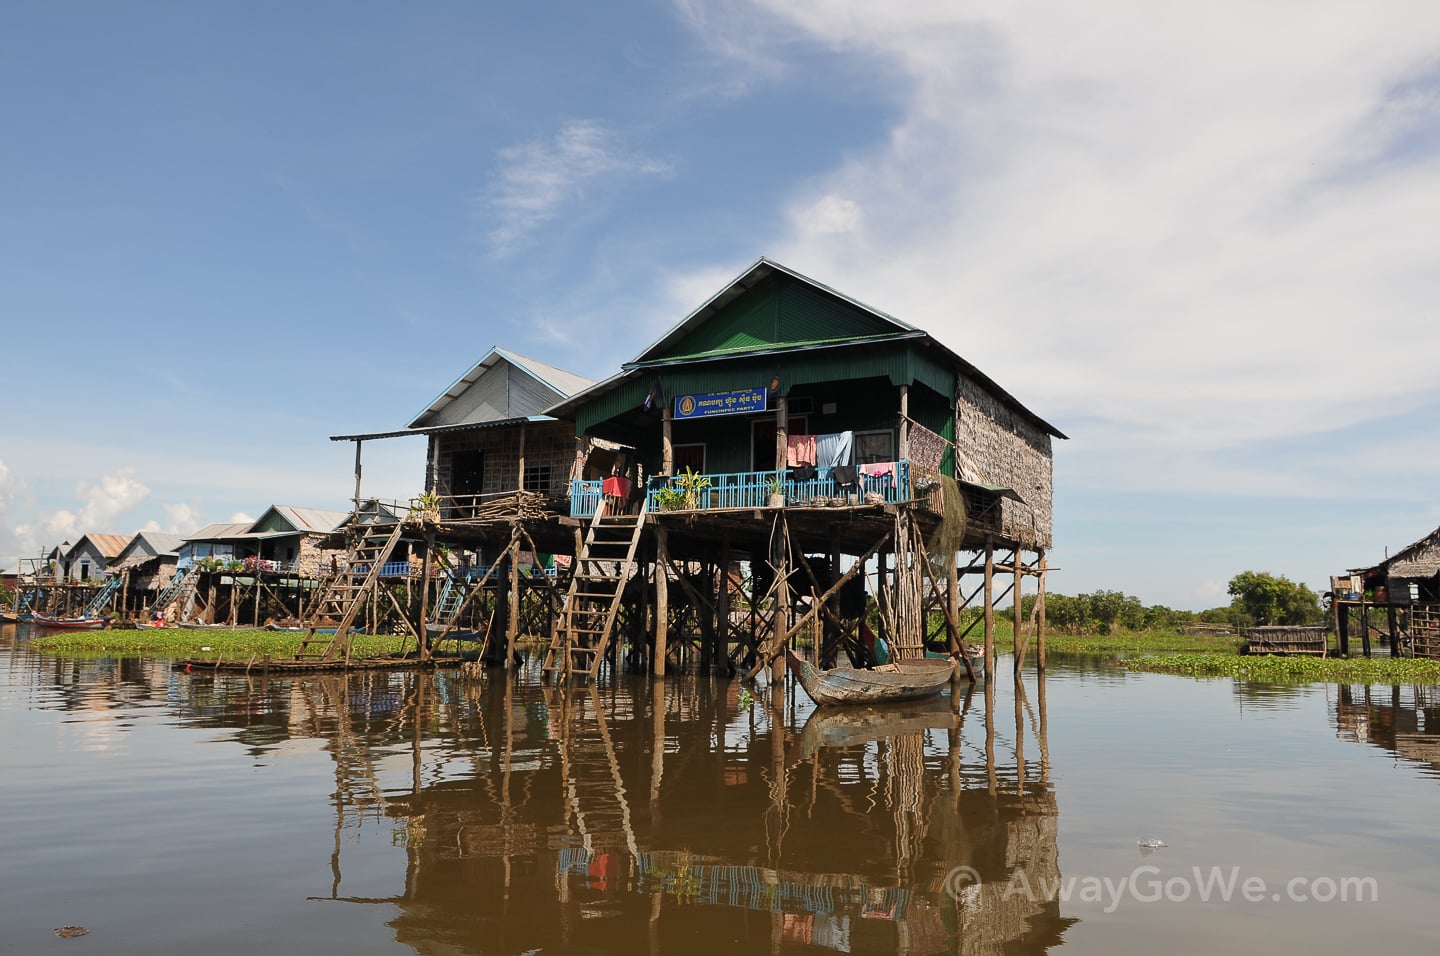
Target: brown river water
(168,812)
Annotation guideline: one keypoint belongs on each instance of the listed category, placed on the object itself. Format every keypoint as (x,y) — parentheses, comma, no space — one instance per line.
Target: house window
(875,446)
(538,478)
(689,456)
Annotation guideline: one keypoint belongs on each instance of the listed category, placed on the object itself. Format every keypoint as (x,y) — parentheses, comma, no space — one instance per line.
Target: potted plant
(691,484)
(776,487)
(669,498)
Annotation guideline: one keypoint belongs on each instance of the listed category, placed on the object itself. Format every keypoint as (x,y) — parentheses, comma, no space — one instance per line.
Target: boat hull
(910,680)
(71,623)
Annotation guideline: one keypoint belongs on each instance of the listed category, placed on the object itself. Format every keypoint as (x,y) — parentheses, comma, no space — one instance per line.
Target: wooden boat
(71,623)
(902,680)
(294,629)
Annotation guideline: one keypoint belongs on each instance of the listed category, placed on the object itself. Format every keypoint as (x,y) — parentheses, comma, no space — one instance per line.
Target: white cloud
(241,517)
(828,216)
(180,518)
(1199,225)
(537,179)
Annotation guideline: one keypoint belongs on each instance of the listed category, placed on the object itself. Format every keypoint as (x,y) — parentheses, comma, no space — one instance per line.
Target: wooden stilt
(512,624)
(1040,619)
(423,631)
(720,650)
(1018,609)
(989,609)
(662,599)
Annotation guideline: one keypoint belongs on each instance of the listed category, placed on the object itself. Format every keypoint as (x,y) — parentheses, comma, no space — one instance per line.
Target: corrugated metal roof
(559,381)
(439,429)
(159,543)
(220,531)
(305,520)
(108,545)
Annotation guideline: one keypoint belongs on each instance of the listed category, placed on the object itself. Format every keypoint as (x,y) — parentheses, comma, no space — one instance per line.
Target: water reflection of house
(563,819)
(1403,720)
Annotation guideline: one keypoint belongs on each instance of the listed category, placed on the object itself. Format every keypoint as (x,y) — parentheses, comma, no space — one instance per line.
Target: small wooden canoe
(902,680)
(71,623)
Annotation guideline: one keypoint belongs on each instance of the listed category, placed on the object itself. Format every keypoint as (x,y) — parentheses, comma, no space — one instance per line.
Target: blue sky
(1200,240)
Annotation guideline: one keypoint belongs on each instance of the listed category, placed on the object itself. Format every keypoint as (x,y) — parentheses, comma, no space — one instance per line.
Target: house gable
(774,310)
(502,386)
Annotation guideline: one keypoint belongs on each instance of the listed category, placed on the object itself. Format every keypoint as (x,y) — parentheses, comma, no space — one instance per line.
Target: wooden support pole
(1040,619)
(358,443)
(782,433)
(512,625)
(780,560)
(422,633)
(952,598)
(520,473)
(1019,626)
(720,652)
(667,441)
(662,599)
(904,422)
(1364,627)
(989,608)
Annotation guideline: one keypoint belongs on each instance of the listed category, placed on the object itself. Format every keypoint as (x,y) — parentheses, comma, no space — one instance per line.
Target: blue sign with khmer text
(709,404)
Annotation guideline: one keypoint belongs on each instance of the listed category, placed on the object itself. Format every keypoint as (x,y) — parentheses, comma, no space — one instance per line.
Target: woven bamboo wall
(996,445)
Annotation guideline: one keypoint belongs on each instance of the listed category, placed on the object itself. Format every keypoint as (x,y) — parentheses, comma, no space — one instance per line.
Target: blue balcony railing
(751,489)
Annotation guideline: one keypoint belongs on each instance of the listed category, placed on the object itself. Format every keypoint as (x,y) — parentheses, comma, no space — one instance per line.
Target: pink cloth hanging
(800,450)
(879,469)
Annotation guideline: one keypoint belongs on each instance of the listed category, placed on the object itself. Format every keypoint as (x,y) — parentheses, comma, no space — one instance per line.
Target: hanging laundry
(834,449)
(800,450)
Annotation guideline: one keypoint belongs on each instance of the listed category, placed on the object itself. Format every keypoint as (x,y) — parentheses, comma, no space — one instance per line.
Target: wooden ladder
(343,597)
(180,590)
(605,563)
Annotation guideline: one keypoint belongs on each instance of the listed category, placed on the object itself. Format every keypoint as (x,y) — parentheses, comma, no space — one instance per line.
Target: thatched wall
(547,445)
(996,445)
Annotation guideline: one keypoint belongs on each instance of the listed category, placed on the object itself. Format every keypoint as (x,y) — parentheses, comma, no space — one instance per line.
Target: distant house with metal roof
(147,562)
(88,558)
(488,434)
(220,541)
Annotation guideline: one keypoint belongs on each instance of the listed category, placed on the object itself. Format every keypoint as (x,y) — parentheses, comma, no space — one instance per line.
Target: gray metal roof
(305,520)
(220,531)
(559,381)
(438,429)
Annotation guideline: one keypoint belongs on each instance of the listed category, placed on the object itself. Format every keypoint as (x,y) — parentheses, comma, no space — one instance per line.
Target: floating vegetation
(70,932)
(210,643)
(1294,670)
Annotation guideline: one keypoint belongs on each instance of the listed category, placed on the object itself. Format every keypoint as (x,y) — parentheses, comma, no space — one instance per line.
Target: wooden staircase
(180,590)
(605,563)
(344,595)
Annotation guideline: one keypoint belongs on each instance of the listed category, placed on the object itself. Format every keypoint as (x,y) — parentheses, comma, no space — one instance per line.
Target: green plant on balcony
(670,498)
(425,508)
(691,484)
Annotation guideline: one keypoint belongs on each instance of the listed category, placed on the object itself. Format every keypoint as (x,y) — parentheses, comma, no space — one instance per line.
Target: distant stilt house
(837,460)
(88,558)
(1406,587)
(251,572)
(145,565)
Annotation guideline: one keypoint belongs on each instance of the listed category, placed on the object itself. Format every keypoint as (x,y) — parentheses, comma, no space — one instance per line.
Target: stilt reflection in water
(856,829)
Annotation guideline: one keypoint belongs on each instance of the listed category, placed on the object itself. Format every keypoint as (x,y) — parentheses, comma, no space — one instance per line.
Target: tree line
(1257,598)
